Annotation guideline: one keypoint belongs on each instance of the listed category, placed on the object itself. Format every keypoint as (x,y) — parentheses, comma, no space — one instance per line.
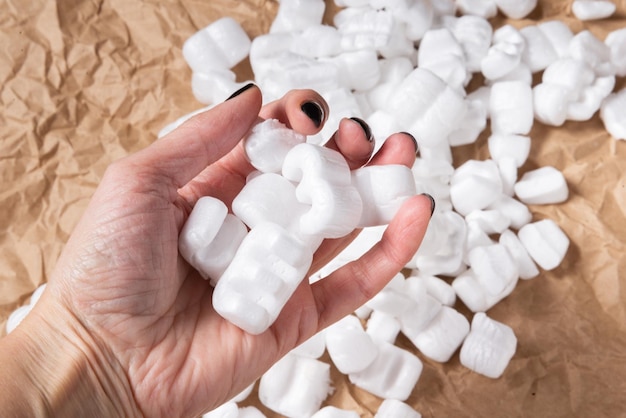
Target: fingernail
(432,203)
(417,147)
(241,90)
(366,128)
(314,111)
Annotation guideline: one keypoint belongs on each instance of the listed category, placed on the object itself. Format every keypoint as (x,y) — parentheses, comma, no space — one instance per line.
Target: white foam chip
(250,412)
(488,347)
(504,54)
(351,349)
(324,183)
(383,189)
(546,243)
(482,8)
(334,412)
(612,114)
(295,386)
(201,227)
(383,326)
(475,185)
(393,373)
(397,409)
(268,143)
(539,51)
(295,15)
(426,106)
(443,336)
(16,317)
(616,41)
(511,107)
(494,267)
(516,9)
(220,45)
(525,265)
(545,185)
(268,266)
(593,9)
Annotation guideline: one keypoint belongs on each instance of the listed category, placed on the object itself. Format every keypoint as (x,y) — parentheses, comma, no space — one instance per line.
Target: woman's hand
(128,326)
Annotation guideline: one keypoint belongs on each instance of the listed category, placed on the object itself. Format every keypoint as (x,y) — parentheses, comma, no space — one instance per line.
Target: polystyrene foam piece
(443,336)
(474,296)
(202,226)
(397,409)
(426,106)
(221,45)
(612,114)
(393,373)
(483,8)
(212,260)
(268,266)
(494,267)
(593,9)
(488,347)
(616,41)
(295,386)
(545,185)
(334,412)
(511,107)
(525,265)
(546,243)
(505,53)
(296,15)
(382,326)
(516,9)
(268,143)
(383,189)
(350,348)
(269,197)
(475,185)
(539,51)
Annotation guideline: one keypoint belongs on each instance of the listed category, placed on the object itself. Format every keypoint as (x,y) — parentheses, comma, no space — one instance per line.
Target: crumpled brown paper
(83,83)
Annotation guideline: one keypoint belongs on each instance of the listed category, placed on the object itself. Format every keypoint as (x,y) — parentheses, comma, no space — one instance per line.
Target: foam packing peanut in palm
(268,266)
(324,182)
(201,226)
(268,143)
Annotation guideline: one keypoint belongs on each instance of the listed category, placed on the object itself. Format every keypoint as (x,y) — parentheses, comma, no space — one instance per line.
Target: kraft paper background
(83,83)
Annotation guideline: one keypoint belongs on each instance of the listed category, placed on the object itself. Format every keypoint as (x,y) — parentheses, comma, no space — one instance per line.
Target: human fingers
(352,285)
(304,111)
(399,148)
(354,140)
(202,140)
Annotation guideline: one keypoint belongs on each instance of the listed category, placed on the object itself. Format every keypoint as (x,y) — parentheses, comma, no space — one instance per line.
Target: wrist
(55,368)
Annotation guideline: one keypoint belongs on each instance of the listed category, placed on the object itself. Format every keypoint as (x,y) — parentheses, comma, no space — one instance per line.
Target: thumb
(203,139)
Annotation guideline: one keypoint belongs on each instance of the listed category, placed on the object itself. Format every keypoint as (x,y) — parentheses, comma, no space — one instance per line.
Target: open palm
(122,279)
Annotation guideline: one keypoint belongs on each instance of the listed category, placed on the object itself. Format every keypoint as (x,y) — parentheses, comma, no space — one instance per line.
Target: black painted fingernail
(432,203)
(241,90)
(366,128)
(417,147)
(314,111)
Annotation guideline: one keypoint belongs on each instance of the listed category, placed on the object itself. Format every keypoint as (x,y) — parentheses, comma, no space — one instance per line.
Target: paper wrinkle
(84,83)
